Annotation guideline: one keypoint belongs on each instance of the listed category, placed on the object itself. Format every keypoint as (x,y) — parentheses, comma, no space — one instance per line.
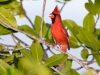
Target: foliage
(32,61)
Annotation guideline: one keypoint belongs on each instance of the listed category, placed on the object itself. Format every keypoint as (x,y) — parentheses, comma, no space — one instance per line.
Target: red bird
(59,33)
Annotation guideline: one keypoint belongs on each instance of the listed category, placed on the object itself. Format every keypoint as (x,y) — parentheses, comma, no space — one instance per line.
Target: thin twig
(21,48)
(6,45)
(96,23)
(1,54)
(13,39)
(51,51)
(46,43)
(62,7)
(56,70)
(16,49)
(45,55)
(44,3)
(98,73)
(23,12)
(25,44)
(88,63)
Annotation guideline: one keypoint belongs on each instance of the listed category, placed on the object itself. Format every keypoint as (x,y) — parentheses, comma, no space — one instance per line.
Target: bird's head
(54,13)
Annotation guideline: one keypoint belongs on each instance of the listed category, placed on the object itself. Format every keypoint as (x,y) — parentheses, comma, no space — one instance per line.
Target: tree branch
(47,44)
(20,40)
(56,70)
(88,63)
(44,3)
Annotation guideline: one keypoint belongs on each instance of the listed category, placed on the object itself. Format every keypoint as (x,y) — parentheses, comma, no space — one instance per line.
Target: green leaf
(9,58)
(7,17)
(37,24)
(73,27)
(73,42)
(49,36)
(97,31)
(91,8)
(3,0)
(67,66)
(3,67)
(26,53)
(97,57)
(5,31)
(89,39)
(32,68)
(12,5)
(84,54)
(73,72)
(28,29)
(69,23)
(89,22)
(44,30)
(37,52)
(16,60)
(11,71)
(97,6)
(56,59)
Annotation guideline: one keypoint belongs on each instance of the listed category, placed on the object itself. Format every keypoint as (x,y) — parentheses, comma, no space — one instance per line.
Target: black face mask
(53,19)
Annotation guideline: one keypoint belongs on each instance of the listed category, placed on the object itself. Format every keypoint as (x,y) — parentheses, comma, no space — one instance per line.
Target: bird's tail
(64,47)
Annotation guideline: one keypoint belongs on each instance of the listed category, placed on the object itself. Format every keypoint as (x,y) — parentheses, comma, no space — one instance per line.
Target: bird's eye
(51,15)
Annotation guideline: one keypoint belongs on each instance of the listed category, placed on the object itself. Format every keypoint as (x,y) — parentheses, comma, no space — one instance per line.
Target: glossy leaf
(28,29)
(69,23)
(97,5)
(73,42)
(84,54)
(5,31)
(97,31)
(13,6)
(3,0)
(37,24)
(26,53)
(16,60)
(37,52)
(67,66)
(3,67)
(72,26)
(90,7)
(97,57)
(45,29)
(32,68)
(89,39)
(6,16)
(89,22)
(9,59)
(49,37)
(11,71)
(73,72)
(56,59)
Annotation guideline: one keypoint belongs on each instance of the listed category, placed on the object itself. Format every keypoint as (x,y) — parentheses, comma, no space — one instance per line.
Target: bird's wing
(66,35)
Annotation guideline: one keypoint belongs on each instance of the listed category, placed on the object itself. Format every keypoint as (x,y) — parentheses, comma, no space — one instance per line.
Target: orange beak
(51,16)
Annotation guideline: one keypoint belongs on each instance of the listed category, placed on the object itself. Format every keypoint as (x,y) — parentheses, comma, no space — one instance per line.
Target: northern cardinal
(59,33)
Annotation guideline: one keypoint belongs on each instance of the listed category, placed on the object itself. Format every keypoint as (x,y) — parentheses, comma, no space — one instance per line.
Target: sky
(74,10)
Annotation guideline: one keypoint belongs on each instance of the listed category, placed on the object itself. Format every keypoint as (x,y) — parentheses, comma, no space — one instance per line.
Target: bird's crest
(56,10)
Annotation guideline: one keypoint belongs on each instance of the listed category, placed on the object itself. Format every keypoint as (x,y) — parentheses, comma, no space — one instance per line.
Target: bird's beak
(51,16)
